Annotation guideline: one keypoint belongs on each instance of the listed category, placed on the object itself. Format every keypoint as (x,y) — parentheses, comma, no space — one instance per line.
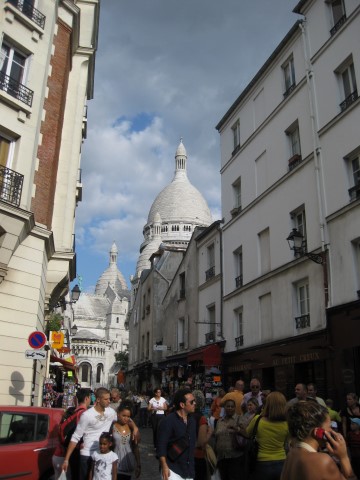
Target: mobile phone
(320,434)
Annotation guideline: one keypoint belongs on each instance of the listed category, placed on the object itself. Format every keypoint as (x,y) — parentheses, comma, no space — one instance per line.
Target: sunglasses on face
(255,386)
(192,402)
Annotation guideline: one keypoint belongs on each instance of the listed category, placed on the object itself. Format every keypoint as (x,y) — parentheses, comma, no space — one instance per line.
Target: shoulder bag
(252,448)
(178,447)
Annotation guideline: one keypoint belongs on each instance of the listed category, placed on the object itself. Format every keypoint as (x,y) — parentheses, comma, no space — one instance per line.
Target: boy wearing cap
(353,441)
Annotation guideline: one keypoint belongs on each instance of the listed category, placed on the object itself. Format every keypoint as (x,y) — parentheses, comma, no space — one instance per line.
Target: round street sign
(37,339)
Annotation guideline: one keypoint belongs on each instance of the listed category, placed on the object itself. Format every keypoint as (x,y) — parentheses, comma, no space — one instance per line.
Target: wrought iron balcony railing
(16,89)
(239,341)
(289,90)
(11,183)
(210,273)
(294,161)
(239,281)
(354,193)
(182,293)
(210,337)
(27,8)
(338,25)
(349,100)
(303,321)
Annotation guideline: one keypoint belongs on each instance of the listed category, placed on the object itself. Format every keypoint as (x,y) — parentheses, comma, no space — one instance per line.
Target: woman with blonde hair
(272,435)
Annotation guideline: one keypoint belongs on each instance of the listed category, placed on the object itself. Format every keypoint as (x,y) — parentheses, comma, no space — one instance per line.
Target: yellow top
(271,437)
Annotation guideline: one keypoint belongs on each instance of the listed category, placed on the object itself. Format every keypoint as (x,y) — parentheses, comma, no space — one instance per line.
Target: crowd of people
(302,438)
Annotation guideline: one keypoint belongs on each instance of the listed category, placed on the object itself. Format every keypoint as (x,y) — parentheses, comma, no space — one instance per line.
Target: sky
(165,69)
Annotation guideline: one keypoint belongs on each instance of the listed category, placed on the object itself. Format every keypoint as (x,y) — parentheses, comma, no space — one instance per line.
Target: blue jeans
(85,466)
(267,470)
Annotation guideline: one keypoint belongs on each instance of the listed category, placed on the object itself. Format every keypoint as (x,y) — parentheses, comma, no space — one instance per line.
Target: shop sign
(57,339)
(291,360)
(160,348)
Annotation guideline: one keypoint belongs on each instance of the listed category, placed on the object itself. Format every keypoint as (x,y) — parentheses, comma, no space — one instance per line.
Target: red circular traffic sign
(37,339)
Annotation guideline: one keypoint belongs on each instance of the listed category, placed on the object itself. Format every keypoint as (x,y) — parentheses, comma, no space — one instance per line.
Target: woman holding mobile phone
(310,427)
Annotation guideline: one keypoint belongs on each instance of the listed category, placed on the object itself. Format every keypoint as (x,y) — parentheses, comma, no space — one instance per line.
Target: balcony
(289,90)
(181,345)
(349,100)
(239,341)
(354,193)
(26,7)
(239,281)
(182,293)
(210,337)
(11,183)
(294,161)
(147,309)
(235,211)
(16,89)
(210,273)
(236,149)
(338,25)
(303,321)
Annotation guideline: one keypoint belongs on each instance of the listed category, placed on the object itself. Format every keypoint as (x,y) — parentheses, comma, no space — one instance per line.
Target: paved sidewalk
(149,463)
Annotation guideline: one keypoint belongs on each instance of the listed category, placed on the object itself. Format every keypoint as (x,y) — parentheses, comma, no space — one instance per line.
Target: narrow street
(149,463)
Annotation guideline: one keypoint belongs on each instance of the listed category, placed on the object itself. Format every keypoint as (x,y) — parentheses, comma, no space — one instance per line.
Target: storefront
(60,387)
(280,365)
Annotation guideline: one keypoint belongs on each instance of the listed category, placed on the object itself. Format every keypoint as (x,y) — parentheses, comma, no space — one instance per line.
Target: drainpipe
(317,153)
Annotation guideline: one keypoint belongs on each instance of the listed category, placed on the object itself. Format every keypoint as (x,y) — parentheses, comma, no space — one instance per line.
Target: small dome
(112,275)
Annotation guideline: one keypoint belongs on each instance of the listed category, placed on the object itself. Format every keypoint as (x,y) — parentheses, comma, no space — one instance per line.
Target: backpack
(68,424)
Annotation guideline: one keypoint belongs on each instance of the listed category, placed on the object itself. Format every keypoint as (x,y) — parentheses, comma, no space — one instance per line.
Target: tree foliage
(122,357)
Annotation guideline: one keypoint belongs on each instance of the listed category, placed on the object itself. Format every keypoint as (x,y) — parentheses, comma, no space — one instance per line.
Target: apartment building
(290,201)
(47,66)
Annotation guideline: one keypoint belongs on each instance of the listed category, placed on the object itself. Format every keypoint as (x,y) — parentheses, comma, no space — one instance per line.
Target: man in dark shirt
(174,426)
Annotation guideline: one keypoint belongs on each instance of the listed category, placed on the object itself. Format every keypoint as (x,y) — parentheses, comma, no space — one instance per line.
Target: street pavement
(149,463)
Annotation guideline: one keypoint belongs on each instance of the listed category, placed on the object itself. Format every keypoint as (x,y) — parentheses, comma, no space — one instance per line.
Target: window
(182,285)
(236,187)
(147,345)
(238,261)
(211,315)
(181,333)
(354,191)
(302,320)
(338,15)
(289,76)
(348,86)
(356,255)
(22,427)
(299,222)
(99,370)
(13,65)
(293,135)
(210,272)
(85,373)
(27,8)
(236,136)
(264,251)
(6,149)
(265,310)
(238,328)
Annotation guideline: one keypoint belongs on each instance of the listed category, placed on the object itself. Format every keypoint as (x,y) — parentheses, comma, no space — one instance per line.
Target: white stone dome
(111,276)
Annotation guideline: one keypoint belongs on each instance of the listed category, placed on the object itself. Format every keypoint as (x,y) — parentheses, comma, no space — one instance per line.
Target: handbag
(211,460)
(252,448)
(239,441)
(179,446)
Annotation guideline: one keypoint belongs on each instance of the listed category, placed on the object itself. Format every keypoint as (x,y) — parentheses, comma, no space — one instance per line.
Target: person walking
(272,436)
(178,425)
(104,461)
(230,459)
(157,406)
(115,397)
(237,395)
(126,449)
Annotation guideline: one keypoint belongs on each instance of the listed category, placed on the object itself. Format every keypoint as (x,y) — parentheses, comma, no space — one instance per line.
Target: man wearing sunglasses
(255,392)
(177,431)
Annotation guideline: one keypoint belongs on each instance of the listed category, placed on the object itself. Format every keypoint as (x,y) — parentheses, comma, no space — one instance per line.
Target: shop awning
(64,363)
(210,355)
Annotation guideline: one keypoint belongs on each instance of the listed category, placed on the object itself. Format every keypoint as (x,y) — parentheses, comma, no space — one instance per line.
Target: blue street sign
(37,339)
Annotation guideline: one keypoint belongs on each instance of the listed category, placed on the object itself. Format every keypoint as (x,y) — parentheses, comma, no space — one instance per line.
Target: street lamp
(74,297)
(73,330)
(297,243)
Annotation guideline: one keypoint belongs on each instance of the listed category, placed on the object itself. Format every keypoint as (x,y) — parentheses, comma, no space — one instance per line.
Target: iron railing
(289,90)
(303,321)
(182,293)
(16,89)
(210,337)
(210,273)
(294,161)
(239,281)
(11,183)
(349,100)
(354,193)
(239,341)
(27,8)
(338,25)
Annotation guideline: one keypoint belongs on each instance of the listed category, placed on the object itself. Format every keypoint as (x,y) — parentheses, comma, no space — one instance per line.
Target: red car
(28,437)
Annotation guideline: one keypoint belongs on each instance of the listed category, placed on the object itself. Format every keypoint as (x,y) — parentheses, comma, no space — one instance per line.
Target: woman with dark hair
(309,425)
(157,406)
(230,460)
(272,435)
(203,433)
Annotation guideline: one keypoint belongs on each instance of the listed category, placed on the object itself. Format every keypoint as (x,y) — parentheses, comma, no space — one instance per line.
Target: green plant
(54,322)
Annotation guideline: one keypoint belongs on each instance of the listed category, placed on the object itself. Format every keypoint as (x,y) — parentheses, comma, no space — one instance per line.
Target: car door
(25,452)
